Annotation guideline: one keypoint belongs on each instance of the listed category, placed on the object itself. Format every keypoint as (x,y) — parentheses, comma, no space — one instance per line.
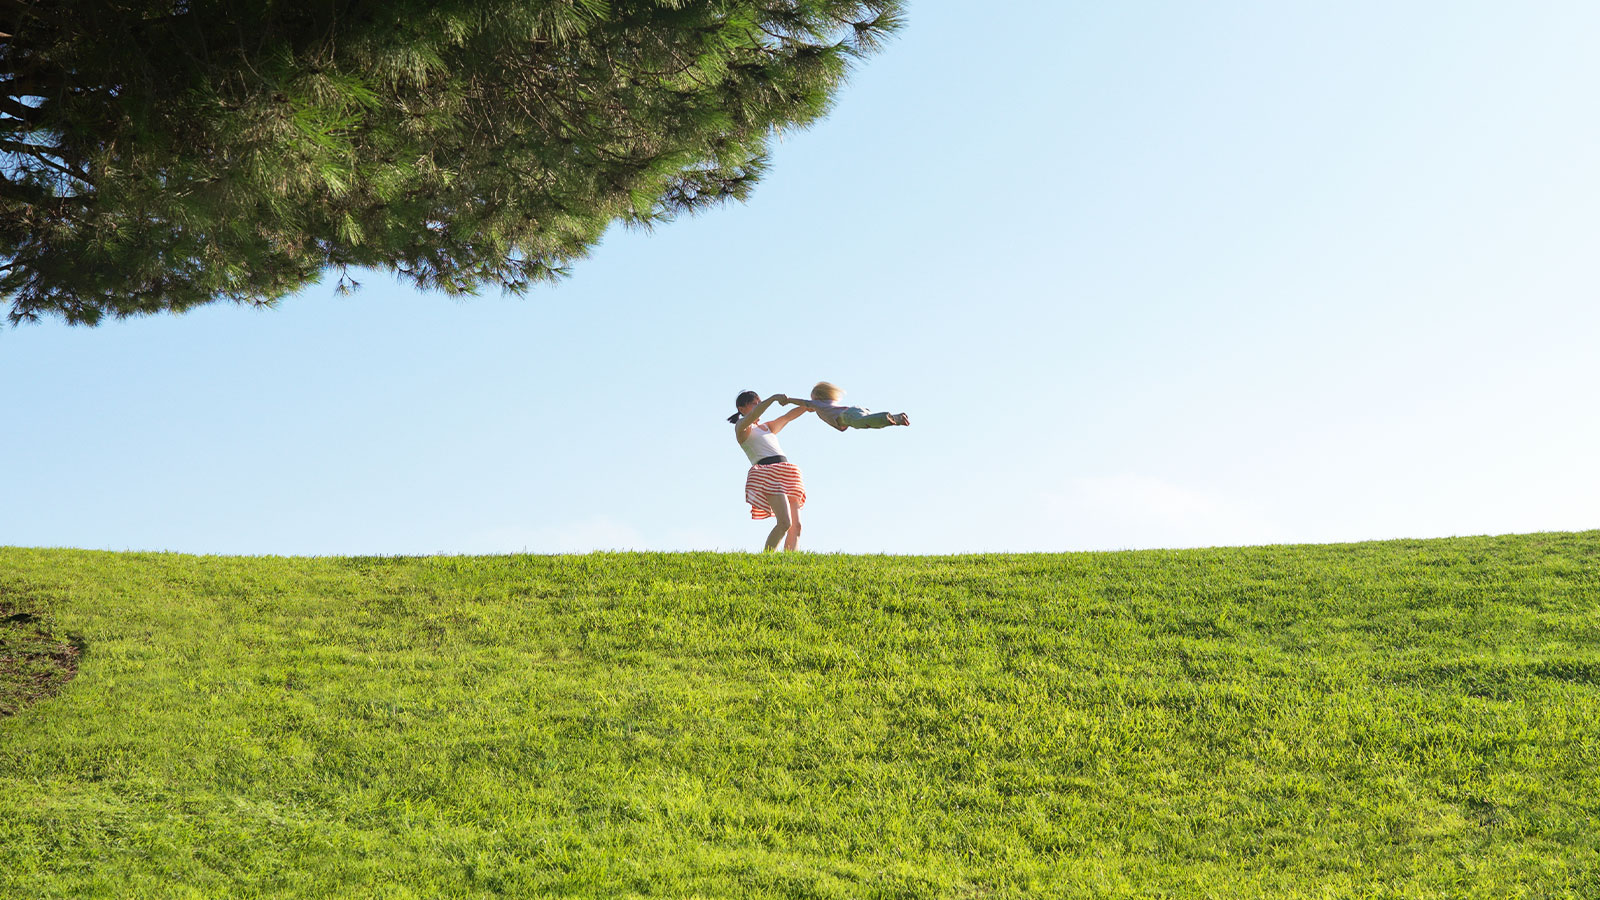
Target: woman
(773,488)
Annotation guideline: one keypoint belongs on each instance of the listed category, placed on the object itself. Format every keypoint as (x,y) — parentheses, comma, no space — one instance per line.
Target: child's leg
(856,417)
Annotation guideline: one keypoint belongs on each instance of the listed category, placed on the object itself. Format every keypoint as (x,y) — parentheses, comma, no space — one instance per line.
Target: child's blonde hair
(826,391)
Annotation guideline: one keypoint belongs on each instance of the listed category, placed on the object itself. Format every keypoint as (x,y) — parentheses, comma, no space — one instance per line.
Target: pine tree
(156,156)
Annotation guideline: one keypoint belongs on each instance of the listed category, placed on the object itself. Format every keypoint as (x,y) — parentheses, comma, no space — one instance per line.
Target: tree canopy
(156,155)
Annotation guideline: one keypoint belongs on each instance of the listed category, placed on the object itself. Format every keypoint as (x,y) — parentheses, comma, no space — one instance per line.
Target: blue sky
(1147,274)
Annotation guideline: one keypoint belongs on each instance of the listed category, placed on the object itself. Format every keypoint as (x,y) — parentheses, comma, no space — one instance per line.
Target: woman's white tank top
(760,443)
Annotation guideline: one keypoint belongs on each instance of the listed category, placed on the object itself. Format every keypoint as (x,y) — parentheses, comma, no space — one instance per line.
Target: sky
(1144,274)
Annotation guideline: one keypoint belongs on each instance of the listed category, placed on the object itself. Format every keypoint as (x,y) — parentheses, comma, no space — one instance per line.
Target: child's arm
(816,408)
(776,425)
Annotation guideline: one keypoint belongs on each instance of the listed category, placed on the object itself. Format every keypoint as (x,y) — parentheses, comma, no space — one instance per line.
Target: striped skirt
(778,478)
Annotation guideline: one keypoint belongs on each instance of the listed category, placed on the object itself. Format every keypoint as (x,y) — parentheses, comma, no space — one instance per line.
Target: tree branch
(38,153)
(22,86)
(30,194)
(11,107)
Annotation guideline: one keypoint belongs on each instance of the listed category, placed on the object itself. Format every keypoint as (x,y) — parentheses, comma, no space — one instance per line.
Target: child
(825,403)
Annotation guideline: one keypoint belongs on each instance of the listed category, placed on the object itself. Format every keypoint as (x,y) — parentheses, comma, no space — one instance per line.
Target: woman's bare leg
(780,511)
(793,537)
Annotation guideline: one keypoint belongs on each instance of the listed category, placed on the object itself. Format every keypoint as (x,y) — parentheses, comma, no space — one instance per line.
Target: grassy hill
(1406,719)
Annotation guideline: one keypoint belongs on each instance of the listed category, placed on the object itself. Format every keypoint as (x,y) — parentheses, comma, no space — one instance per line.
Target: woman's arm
(741,429)
(776,425)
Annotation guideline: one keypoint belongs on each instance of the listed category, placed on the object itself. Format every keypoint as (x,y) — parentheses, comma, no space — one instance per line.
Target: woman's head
(745,402)
(826,393)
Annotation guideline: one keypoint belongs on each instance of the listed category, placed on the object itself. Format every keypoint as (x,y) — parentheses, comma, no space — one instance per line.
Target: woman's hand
(781,398)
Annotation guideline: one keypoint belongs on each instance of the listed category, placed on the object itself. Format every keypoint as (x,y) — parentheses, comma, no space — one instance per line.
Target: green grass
(1401,719)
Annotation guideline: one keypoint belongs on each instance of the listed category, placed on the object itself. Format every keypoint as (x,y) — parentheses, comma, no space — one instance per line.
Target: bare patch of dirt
(34,662)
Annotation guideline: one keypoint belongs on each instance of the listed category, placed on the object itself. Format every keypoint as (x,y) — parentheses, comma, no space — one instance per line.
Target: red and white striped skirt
(778,478)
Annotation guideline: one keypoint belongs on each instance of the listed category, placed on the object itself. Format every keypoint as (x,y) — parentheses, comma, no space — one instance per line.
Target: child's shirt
(829,411)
